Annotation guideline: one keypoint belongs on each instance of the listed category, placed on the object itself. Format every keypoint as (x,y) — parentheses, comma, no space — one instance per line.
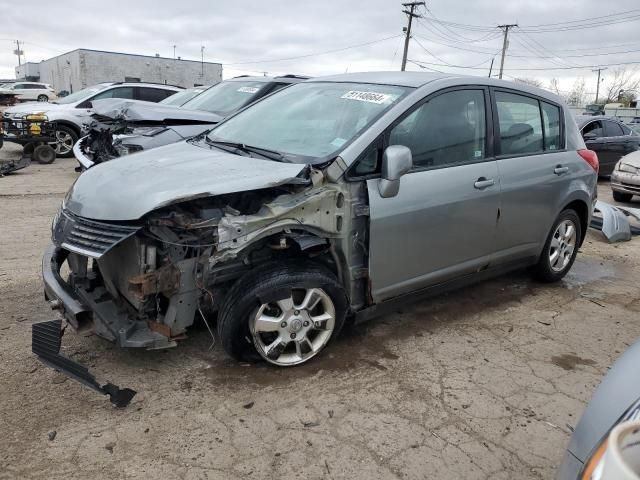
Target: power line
(447,63)
(577,67)
(558,26)
(314,54)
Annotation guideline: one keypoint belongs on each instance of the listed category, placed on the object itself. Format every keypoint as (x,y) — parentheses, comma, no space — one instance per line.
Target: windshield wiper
(265,152)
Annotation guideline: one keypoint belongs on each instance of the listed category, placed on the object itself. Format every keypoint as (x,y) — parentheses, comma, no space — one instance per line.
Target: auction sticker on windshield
(248,89)
(371,97)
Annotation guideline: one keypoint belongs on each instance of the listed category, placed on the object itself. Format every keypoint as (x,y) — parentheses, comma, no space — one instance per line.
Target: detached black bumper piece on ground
(46,338)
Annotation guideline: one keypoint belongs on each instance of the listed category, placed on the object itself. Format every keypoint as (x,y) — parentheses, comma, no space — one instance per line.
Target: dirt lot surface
(484,383)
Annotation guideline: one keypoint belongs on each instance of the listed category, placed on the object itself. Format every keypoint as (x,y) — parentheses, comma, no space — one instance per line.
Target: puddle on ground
(585,271)
(568,361)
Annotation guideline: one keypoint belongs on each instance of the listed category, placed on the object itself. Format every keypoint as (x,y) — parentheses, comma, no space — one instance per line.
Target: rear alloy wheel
(284,314)
(622,197)
(560,249)
(43,98)
(65,140)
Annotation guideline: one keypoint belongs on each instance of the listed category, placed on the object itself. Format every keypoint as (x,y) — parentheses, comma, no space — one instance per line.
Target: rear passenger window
(613,129)
(153,94)
(448,129)
(520,124)
(551,122)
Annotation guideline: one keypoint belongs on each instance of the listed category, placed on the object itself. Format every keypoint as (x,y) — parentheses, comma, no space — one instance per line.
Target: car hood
(136,111)
(632,159)
(127,188)
(37,107)
(618,391)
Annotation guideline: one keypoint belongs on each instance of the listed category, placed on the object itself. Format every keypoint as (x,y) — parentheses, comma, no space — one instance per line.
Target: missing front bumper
(46,338)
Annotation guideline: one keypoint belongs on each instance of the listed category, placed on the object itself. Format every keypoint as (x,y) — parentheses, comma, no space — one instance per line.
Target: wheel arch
(581,208)
(69,124)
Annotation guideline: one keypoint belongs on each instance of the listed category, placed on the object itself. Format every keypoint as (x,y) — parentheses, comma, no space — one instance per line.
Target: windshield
(180,98)
(226,97)
(80,94)
(309,121)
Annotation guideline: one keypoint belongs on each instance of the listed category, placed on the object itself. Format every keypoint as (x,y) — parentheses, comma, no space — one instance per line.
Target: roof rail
(149,83)
(290,75)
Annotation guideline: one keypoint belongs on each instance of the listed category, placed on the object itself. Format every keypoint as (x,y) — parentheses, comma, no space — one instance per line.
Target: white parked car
(30,91)
(71,111)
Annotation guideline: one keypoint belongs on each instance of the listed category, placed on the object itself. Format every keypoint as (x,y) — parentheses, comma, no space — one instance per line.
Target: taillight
(591,158)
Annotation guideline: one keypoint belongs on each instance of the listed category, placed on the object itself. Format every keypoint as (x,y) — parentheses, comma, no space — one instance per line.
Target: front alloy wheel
(284,313)
(294,329)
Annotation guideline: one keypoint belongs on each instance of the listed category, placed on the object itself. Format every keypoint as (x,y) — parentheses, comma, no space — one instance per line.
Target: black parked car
(609,138)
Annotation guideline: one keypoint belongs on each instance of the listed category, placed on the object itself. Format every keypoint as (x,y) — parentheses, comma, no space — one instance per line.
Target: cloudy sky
(310,37)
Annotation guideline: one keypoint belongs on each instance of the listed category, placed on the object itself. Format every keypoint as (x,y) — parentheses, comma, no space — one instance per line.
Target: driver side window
(449,129)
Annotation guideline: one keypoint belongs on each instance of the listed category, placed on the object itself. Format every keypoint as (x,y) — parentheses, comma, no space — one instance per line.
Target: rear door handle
(483,183)
(560,170)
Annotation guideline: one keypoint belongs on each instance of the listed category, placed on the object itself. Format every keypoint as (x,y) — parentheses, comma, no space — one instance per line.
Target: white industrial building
(80,68)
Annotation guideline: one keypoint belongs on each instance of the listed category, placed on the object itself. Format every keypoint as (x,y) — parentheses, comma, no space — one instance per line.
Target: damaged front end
(121,127)
(141,284)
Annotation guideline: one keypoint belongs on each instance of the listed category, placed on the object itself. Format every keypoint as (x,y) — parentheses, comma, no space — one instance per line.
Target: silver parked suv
(336,198)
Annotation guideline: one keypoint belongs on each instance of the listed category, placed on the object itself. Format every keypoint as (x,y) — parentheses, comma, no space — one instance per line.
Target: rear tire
(267,307)
(622,197)
(560,249)
(44,154)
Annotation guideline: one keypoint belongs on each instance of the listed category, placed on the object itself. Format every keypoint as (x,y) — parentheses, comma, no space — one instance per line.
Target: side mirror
(590,136)
(396,161)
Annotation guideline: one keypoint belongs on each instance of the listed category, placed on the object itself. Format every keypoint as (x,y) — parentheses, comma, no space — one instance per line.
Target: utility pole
(18,52)
(598,86)
(505,43)
(202,60)
(491,66)
(174,52)
(410,12)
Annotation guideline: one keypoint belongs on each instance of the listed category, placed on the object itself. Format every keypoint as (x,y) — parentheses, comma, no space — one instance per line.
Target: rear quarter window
(551,120)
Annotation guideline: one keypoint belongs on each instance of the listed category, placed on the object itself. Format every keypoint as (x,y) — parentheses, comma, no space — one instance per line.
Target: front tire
(622,197)
(43,98)
(66,138)
(560,249)
(285,314)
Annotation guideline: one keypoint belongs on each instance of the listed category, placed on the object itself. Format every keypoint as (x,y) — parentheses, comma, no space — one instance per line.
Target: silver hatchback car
(334,199)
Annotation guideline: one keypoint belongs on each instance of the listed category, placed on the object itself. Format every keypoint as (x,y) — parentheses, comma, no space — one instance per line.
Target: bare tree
(623,85)
(577,95)
(534,82)
(554,86)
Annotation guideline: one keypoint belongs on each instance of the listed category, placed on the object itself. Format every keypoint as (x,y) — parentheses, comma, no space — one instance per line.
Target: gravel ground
(484,383)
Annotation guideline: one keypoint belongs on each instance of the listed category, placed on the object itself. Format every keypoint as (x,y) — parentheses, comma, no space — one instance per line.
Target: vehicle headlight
(127,148)
(623,167)
(36,117)
(593,466)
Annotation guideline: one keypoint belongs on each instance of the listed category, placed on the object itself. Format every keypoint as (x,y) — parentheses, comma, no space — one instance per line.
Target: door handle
(483,183)
(560,170)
